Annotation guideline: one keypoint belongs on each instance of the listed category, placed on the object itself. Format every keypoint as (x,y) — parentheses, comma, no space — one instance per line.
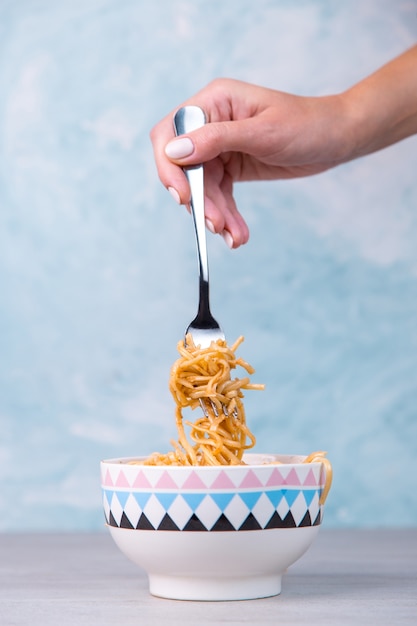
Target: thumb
(206,143)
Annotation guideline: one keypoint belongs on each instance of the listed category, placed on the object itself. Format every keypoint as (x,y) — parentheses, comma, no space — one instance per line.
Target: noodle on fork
(202,377)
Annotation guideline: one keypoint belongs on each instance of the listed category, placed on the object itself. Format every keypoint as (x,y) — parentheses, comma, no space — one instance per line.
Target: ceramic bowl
(214,533)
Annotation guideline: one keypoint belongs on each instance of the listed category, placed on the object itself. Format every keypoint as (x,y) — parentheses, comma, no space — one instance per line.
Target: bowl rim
(253,459)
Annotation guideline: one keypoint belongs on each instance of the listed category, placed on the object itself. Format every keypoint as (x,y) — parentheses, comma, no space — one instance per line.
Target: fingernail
(174,193)
(210,226)
(179,148)
(228,238)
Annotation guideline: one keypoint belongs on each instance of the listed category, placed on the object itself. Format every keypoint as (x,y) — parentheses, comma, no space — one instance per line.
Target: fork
(204,328)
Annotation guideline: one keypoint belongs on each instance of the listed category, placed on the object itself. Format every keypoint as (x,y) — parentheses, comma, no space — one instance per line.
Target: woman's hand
(255,133)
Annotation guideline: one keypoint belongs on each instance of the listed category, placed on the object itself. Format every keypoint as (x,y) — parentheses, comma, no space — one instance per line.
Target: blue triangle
(193,499)
(141,499)
(309,495)
(166,499)
(122,496)
(222,499)
(275,496)
(291,495)
(250,498)
(109,494)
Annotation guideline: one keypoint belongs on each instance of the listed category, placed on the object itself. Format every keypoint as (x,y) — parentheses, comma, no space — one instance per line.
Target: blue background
(98,272)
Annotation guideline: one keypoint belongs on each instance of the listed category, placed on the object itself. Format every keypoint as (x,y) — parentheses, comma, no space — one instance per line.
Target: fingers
(202,146)
(170,174)
(207,143)
(220,207)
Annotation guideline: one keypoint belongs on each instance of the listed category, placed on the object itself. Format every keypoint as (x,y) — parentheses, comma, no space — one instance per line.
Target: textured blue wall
(98,269)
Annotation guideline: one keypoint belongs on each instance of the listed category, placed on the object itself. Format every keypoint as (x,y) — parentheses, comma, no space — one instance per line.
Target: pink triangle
(276,479)
(223,482)
(251,480)
(166,482)
(122,480)
(108,480)
(194,482)
(292,478)
(310,479)
(141,481)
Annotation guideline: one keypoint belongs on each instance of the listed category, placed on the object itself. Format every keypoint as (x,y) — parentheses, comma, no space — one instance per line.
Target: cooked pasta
(201,378)
(320,457)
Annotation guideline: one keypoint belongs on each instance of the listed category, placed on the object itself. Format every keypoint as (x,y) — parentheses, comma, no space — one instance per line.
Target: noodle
(201,378)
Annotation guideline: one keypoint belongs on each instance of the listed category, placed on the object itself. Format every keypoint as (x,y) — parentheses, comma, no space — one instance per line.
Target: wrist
(382,108)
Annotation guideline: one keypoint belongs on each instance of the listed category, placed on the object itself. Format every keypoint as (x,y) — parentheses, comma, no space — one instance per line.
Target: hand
(256,133)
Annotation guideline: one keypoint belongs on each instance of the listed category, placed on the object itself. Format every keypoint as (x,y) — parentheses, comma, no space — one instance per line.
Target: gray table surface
(350,577)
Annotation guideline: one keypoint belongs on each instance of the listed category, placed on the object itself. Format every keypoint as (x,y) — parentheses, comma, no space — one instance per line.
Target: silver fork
(204,328)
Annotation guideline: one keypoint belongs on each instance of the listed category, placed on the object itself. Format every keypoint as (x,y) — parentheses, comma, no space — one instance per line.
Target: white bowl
(214,533)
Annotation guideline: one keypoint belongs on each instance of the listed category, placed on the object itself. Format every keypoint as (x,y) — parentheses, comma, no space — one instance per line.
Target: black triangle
(275,521)
(250,523)
(306,521)
(317,521)
(112,521)
(223,524)
(288,521)
(144,523)
(194,524)
(125,522)
(167,523)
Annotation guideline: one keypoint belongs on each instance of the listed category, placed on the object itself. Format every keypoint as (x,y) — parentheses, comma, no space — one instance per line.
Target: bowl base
(214,589)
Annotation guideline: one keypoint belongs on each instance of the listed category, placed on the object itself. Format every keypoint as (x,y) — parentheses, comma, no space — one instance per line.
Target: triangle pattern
(222,499)
(122,496)
(275,496)
(144,523)
(310,480)
(109,494)
(250,523)
(250,498)
(142,498)
(166,482)
(107,479)
(166,499)
(222,481)
(276,479)
(317,521)
(124,522)
(121,480)
(291,495)
(141,481)
(112,521)
(193,482)
(306,521)
(292,478)
(194,524)
(309,495)
(167,523)
(288,521)
(193,499)
(250,481)
(223,524)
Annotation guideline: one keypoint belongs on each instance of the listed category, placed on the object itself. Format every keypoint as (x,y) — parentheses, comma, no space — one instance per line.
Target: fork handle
(187,119)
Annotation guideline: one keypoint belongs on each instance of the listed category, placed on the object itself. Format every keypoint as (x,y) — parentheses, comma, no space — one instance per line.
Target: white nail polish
(210,226)
(228,238)
(174,193)
(179,148)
